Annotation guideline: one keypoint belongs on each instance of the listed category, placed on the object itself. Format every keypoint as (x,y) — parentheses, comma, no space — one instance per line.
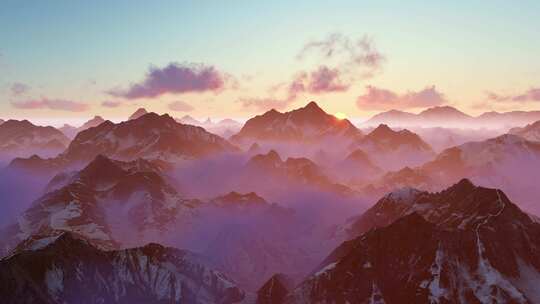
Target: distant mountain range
(71,131)
(446,116)
(292,173)
(508,161)
(394,149)
(150,136)
(225,127)
(529,132)
(22,138)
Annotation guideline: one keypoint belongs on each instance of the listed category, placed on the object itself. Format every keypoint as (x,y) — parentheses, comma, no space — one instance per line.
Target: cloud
(383,99)
(325,79)
(180,106)
(177,79)
(264,104)
(532,94)
(18,89)
(51,104)
(341,61)
(111,104)
(350,55)
(322,80)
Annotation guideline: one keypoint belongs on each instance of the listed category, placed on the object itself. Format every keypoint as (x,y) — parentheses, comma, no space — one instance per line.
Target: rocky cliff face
(67,269)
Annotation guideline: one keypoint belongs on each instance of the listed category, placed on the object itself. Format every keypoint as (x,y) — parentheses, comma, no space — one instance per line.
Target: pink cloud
(383,99)
(175,78)
(325,79)
(532,94)
(180,106)
(264,104)
(51,104)
(342,60)
(111,104)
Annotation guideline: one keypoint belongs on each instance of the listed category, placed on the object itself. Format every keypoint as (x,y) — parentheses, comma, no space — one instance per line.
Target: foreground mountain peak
(449,247)
(71,269)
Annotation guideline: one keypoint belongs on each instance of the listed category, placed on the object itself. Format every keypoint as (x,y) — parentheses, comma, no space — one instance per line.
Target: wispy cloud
(355,56)
(51,104)
(340,61)
(531,95)
(175,78)
(321,80)
(384,99)
(180,106)
(111,104)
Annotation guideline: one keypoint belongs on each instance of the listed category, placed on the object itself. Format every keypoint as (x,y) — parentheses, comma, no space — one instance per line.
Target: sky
(66,61)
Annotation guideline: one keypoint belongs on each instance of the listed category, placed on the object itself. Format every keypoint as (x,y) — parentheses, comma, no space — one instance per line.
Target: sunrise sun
(340,115)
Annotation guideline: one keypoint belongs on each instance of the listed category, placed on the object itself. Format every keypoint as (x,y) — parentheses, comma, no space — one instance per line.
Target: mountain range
(304,125)
(71,131)
(298,207)
(391,149)
(21,138)
(450,117)
(529,132)
(150,136)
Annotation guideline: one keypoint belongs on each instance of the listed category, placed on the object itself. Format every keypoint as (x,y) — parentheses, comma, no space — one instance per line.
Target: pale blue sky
(76,50)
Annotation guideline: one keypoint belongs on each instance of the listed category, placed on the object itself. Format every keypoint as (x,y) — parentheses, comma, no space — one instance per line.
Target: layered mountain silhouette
(529,132)
(22,138)
(466,244)
(446,116)
(225,127)
(101,201)
(150,136)
(114,204)
(292,171)
(71,131)
(394,149)
(307,124)
(138,113)
(66,268)
(507,161)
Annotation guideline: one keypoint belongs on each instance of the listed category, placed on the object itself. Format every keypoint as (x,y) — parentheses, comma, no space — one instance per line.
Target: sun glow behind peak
(340,115)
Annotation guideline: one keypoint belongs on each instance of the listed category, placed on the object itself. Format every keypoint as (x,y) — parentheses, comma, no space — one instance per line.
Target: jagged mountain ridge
(150,136)
(529,132)
(21,138)
(450,117)
(68,269)
(394,149)
(307,124)
(465,244)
